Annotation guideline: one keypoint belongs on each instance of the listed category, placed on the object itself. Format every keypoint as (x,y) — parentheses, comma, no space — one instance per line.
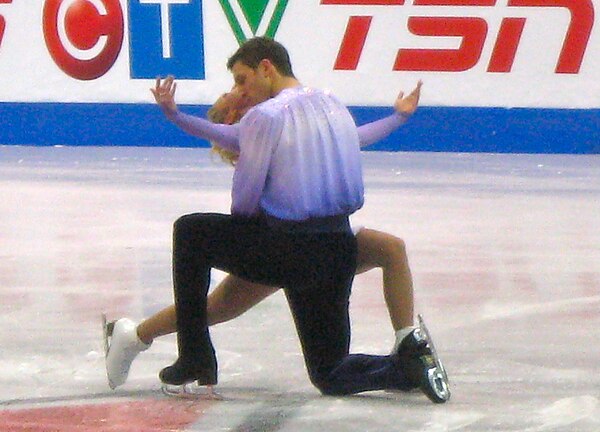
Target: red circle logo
(84,37)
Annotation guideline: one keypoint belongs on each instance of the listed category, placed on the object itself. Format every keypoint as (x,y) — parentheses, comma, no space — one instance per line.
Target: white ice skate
(121,346)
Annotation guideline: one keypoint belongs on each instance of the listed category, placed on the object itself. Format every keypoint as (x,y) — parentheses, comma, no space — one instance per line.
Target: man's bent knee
(183,223)
(328,387)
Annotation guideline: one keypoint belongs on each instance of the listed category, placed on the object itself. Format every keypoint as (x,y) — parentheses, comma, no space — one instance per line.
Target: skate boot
(189,381)
(122,345)
(422,366)
(181,373)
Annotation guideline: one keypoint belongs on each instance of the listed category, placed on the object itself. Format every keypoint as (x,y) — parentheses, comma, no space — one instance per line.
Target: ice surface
(504,249)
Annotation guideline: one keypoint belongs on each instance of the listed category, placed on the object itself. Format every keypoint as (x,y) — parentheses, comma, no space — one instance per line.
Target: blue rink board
(437,129)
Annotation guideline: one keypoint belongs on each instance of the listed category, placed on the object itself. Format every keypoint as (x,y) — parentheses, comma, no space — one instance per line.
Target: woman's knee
(397,247)
(393,251)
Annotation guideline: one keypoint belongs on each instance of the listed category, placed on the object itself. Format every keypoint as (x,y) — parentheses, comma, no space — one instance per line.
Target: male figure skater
(233,296)
(297,180)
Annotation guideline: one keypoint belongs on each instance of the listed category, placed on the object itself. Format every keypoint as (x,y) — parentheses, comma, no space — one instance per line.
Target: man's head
(258,68)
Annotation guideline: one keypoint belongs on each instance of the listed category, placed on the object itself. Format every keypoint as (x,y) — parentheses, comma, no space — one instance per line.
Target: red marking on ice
(125,416)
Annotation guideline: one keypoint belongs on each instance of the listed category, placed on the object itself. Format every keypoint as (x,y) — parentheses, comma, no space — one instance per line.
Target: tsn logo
(473,32)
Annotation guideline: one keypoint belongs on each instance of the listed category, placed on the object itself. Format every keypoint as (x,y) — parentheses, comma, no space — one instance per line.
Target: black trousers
(315,269)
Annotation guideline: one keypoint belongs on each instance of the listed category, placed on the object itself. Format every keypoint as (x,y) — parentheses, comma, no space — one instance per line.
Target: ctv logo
(474,33)
(85,37)
(249,18)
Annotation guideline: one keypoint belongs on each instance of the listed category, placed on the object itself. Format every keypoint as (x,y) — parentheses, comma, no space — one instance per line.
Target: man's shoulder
(262,111)
(277,107)
(283,99)
(271,107)
(289,97)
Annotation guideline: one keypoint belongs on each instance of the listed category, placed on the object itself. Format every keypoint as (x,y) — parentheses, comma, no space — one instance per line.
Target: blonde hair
(223,117)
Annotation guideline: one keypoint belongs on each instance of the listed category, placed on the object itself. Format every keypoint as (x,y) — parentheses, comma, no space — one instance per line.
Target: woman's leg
(231,298)
(379,249)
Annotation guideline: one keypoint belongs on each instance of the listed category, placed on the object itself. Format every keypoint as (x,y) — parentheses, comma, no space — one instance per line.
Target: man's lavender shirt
(299,158)
(299,154)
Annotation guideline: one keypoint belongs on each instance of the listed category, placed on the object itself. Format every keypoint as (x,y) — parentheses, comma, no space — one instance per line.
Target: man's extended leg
(237,245)
(191,278)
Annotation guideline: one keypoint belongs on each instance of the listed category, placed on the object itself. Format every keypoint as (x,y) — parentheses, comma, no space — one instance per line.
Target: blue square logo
(166,38)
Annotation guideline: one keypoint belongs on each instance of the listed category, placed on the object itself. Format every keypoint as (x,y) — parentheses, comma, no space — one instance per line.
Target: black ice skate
(187,381)
(422,365)
(183,373)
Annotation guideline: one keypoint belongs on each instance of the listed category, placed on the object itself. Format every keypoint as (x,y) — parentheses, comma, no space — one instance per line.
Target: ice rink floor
(504,250)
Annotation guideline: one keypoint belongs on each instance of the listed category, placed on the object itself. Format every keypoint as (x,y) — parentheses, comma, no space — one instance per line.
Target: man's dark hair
(259,48)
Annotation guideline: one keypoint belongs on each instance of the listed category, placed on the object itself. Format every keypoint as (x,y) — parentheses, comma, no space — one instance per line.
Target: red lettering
(3,22)
(472,30)
(353,43)
(578,34)
(363,2)
(455,2)
(356,32)
(505,49)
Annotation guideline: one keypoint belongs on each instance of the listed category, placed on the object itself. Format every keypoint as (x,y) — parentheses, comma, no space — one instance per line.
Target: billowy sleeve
(258,137)
(375,131)
(226,136)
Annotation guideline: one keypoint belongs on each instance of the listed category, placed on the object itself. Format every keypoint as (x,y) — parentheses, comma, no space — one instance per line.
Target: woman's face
(234,105)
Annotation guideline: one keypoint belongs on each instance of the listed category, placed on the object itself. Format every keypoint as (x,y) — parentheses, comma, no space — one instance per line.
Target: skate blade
(439,392)
(191,391)
(105,334)
(438,362)
(107,331)
(437,377)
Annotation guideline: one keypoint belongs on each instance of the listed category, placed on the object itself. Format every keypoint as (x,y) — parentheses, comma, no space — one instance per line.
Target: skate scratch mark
(448,421)
(270,417)
(79,397)
(566,412)
(511,310)
(495,312)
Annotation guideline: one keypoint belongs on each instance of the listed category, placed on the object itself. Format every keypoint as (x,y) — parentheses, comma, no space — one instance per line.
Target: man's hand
(408,105)
(164,93)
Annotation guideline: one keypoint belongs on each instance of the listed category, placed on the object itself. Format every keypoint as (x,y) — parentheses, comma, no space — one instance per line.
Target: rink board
(439,129)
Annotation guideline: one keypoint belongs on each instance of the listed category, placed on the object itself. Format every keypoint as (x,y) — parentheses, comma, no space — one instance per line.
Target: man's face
(253,84)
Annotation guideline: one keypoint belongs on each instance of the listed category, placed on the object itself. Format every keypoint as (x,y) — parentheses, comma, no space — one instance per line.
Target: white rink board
(313,33)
